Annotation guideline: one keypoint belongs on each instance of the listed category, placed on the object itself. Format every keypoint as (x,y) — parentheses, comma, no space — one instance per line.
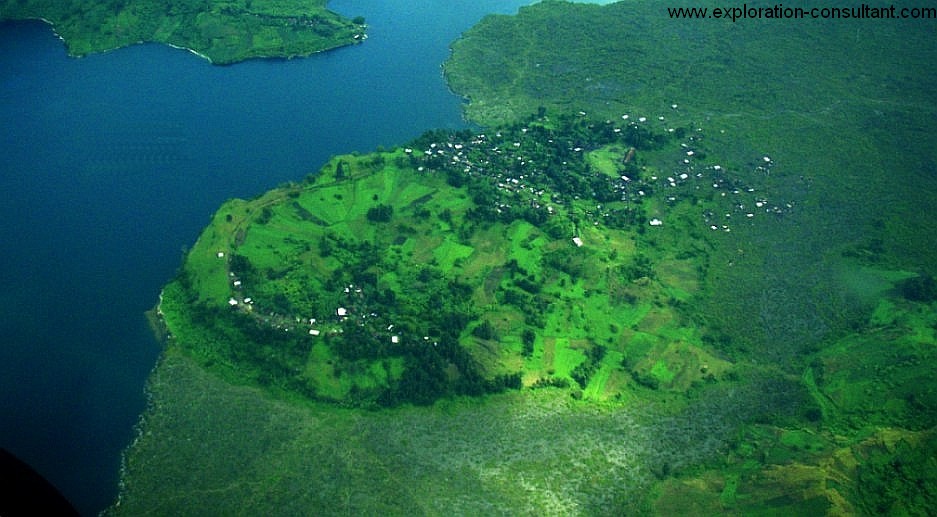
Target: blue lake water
(111,164)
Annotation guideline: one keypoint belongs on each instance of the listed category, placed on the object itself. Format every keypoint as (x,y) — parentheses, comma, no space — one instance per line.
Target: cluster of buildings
(521,162)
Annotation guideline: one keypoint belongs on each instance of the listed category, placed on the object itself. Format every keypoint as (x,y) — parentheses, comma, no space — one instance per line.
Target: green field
(223,31)
(434,270)
(744,323)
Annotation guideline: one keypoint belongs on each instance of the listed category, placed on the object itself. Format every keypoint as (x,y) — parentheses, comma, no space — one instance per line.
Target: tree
(380,213)
(485,331)
(528,337)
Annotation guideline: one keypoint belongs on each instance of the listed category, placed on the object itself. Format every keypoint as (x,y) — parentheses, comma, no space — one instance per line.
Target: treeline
(584,370)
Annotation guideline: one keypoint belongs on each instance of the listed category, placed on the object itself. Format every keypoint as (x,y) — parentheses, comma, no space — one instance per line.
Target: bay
(111,164)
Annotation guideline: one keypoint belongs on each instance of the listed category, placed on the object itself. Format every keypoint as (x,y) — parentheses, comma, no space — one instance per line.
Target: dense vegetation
(839,291)
(747,327)
(224,31)
(562,252)
(464,263)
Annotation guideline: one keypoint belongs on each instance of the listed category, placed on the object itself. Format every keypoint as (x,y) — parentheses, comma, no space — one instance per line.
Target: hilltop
(561,251)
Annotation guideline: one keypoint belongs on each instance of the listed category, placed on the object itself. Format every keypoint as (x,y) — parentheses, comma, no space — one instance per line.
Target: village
(525,161)
(534,172)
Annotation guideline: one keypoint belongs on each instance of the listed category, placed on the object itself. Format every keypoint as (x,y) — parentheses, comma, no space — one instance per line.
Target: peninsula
(464,264)
(629,292)
(222,31)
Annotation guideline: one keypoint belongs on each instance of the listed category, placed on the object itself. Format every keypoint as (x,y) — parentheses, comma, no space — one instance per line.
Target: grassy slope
(224,31)
(842,115)
(841,390)
(595,303)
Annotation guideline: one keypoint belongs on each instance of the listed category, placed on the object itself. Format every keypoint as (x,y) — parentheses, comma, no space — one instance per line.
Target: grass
(448,252)
(599,386)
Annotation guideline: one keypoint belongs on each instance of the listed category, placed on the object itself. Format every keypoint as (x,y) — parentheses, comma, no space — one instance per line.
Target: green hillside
(557,252)
(466,247)
(673,274)
(224,31)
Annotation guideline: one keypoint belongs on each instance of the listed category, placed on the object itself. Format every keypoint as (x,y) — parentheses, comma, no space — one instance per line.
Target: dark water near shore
(111,164)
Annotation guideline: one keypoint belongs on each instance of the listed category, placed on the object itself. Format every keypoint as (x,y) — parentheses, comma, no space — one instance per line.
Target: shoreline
(206,57)
(163,337)
(180,47)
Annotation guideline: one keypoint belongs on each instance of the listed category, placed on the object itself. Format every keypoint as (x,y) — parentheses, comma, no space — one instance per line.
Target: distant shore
(62,38)
(220,37)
